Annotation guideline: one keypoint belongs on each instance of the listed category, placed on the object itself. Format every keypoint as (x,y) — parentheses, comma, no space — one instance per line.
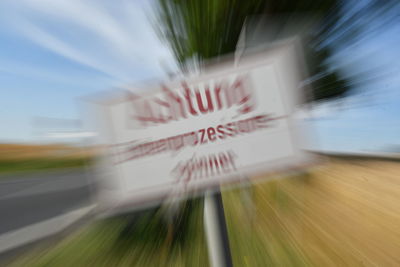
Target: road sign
(189,135)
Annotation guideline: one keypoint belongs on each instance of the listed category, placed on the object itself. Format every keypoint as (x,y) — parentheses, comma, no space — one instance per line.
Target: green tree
(199,30)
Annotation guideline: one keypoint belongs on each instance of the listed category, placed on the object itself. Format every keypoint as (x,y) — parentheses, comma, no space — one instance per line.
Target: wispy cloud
(120,41)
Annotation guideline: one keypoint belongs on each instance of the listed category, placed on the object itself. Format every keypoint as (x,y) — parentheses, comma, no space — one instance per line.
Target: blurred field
(114,242)
(28,158)
(343,213)
(23,152)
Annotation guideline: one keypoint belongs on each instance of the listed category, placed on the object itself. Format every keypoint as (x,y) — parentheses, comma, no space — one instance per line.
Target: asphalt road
(32,198)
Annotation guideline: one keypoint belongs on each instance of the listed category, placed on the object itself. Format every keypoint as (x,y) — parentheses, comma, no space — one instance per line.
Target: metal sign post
(216,231)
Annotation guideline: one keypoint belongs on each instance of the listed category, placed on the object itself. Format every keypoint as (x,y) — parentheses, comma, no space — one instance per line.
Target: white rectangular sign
(196,133)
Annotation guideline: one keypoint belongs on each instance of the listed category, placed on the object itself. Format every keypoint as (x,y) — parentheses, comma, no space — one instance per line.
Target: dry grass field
(16,158)
(342,213)
(25,151)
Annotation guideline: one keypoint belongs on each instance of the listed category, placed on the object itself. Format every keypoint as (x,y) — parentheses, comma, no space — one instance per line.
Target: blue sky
(54,51)
(368,119)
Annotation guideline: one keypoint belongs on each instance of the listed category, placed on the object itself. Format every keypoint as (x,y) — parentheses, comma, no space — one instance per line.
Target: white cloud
(120,43)
(54,44)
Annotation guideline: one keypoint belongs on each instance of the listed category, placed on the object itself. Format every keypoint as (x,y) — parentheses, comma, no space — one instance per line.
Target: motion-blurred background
(343,212)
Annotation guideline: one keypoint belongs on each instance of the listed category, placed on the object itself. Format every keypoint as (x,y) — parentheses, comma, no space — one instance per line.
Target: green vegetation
(143,239)
(8,166)
(199,31)
(257,235)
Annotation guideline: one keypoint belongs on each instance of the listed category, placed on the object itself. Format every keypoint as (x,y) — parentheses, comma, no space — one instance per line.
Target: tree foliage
(199,30)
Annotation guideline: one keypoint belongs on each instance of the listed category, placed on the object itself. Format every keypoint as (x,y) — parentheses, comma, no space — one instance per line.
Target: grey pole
(216,231)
